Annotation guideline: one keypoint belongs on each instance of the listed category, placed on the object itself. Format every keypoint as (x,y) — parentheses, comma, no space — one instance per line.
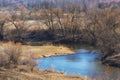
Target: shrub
(32,61)
(3,60)
(29,61)
(11,54)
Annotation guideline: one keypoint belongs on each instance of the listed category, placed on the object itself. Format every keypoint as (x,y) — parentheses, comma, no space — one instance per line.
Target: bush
(3,60)
(11,54)
(13,51)
(29,61)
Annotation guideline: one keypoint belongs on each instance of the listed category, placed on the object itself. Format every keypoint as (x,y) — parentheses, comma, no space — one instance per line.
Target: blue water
(83,62)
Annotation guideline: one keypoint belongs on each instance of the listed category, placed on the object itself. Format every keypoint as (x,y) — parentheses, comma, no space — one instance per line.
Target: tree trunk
(1,37)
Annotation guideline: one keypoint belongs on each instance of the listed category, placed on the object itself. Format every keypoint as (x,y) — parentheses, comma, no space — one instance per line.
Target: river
(83,63)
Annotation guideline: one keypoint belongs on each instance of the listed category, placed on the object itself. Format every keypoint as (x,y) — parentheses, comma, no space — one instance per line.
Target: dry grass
(47,50)
(40,75)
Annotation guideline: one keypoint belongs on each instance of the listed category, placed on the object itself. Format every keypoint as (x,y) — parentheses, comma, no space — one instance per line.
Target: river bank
(23,72)
(112,60)
(13,74)
(47,50)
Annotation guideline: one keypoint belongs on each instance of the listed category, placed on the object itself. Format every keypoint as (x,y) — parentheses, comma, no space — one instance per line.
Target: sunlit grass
(45,50)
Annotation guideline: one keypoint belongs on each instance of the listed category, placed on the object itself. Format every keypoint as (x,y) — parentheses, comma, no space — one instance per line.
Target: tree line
(97,28)
(37,4)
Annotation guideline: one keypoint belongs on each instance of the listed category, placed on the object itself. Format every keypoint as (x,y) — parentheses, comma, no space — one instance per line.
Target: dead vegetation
(11,57)
(36,75)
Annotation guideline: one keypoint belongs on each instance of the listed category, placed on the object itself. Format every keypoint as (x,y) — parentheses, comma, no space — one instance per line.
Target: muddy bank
(112,60)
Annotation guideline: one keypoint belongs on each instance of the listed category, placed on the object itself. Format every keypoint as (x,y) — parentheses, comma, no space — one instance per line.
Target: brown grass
(47,50)
(38,75)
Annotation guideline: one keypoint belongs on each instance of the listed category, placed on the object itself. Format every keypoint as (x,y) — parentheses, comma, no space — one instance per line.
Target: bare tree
(18,19)
(101,29)
(73,21)
(49,18)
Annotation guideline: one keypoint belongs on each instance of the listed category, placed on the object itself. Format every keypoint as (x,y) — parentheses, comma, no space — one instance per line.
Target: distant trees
(61,23)
(95,27)
(38,4)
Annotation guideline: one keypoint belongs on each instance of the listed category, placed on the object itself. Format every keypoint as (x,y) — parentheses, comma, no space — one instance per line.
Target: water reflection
(83,62)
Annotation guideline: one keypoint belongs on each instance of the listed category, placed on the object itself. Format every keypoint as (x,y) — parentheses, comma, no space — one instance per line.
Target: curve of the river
(83,62)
